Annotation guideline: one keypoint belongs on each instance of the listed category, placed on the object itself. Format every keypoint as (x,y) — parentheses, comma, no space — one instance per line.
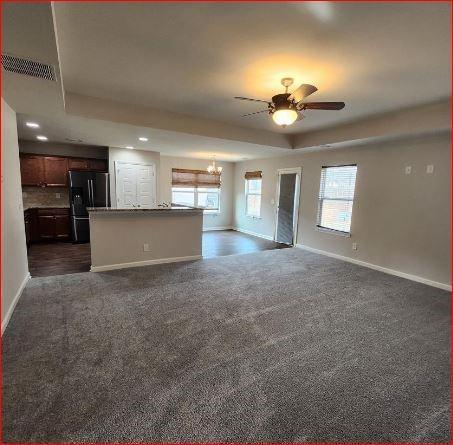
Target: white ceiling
(193,58)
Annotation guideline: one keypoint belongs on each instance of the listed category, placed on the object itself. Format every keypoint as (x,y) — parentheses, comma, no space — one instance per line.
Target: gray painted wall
(399,221)
(14,250)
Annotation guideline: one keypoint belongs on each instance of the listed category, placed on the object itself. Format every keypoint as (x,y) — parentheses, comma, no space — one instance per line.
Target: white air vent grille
(28,67)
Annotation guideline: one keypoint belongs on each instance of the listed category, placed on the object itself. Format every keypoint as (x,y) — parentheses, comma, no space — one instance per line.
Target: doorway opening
(286,216)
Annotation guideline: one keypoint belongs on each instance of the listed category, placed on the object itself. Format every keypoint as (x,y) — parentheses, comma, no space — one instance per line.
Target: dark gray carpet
(281,345)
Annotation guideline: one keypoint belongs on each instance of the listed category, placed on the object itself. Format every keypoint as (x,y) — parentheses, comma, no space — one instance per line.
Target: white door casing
(135,185)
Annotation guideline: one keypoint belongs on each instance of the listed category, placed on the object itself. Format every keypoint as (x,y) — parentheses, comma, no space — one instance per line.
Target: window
(209,198)
(196,188)
(253,194)
(336,197)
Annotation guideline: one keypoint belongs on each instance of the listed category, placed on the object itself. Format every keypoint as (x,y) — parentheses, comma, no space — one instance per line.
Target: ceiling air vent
(28,67)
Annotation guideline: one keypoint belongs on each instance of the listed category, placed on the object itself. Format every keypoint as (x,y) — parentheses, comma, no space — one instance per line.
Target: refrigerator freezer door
(81,195)
(80,229)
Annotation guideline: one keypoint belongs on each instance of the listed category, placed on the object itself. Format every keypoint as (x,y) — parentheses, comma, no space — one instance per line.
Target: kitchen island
(122,238)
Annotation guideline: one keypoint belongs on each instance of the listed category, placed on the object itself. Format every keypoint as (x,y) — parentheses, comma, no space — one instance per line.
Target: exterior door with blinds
(287,206)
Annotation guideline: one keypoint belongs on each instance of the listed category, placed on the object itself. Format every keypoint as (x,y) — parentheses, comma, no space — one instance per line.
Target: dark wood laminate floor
(230,242)
(64,258)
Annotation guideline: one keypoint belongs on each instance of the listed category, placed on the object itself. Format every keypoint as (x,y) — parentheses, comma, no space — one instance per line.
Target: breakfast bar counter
(133,237)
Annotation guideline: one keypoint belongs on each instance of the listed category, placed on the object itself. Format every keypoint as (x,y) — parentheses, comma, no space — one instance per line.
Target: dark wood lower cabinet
(46,227)
(62,227)
(51,224)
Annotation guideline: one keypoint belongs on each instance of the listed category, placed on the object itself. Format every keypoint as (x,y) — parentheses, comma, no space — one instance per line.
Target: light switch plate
(430,169)
(408,170)
(146,247)
(354,246)
(58,195)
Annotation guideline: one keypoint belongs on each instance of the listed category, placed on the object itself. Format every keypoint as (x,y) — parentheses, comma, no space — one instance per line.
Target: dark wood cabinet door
(56,171)
(62,227)
(32,170)
(46,227)
(78,164)
(99,165)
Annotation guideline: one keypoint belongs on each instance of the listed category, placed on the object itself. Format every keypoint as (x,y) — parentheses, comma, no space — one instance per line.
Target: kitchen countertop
(46,207)
(154,210)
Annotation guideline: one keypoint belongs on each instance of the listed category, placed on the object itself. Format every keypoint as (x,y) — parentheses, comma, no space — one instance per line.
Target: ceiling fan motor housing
(282,102)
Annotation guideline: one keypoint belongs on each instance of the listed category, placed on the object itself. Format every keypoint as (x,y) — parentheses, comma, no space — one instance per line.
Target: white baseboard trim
(248,232)
(397,273)
(10,311)
(144,263)
(210,229)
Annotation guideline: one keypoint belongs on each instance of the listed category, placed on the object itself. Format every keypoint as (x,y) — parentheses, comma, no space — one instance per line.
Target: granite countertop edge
(109,210)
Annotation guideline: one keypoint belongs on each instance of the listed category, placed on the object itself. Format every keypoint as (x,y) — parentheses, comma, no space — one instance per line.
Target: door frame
(282,171)
(117,164)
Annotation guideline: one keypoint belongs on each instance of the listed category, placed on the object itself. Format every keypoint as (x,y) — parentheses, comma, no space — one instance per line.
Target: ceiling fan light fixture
(285,116)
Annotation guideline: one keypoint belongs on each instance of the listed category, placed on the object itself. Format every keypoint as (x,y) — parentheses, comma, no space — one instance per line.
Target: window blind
(181,177)
(336,197)
(254,175)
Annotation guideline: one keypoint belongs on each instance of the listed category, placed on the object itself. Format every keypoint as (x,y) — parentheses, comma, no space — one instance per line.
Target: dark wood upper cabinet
(32,170)
(52,171)
(98,165)
(56,171)
(78,164)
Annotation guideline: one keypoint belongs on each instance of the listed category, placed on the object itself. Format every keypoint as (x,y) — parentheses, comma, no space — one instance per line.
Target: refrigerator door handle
(90,191)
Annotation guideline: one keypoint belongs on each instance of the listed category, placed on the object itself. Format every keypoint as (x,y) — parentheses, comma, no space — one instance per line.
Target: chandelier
(213,169)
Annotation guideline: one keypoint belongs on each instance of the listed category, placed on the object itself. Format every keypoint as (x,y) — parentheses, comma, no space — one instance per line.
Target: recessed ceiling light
(32,124)
(42,138)
(143,139)
(130,147)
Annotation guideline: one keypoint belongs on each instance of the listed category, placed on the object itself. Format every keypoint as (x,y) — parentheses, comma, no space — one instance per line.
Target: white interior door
(146,196)
(126,185)
(135,185)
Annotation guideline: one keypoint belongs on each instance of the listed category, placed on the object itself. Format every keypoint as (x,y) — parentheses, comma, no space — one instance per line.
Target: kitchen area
(96,209)
(58,182)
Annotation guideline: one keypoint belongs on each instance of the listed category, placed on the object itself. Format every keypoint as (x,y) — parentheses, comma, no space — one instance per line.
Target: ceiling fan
(286,108)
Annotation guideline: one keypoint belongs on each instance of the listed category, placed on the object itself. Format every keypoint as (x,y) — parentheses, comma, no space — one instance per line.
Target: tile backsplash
(45,197)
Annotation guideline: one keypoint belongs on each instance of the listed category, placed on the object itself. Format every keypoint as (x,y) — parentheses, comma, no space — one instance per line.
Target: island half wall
(122,238)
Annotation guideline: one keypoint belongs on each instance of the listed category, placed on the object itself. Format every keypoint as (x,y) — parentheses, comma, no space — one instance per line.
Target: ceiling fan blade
(256,112)
(302,92)
(252,100)
(322,106)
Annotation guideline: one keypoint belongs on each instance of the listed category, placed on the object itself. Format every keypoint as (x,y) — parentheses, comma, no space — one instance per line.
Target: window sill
(211,212)
(253,217)
(333,232)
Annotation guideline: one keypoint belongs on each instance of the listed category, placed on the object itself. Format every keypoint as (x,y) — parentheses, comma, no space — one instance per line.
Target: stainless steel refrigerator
(86,189)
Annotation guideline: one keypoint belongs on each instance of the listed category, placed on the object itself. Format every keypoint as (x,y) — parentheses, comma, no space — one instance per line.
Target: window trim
(195,195)
(253,194)
(324,229)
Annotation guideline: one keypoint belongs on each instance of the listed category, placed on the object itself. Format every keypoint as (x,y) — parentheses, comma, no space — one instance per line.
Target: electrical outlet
(58,195)
(354,246)
(408,170)
(430,169)
(146,247)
